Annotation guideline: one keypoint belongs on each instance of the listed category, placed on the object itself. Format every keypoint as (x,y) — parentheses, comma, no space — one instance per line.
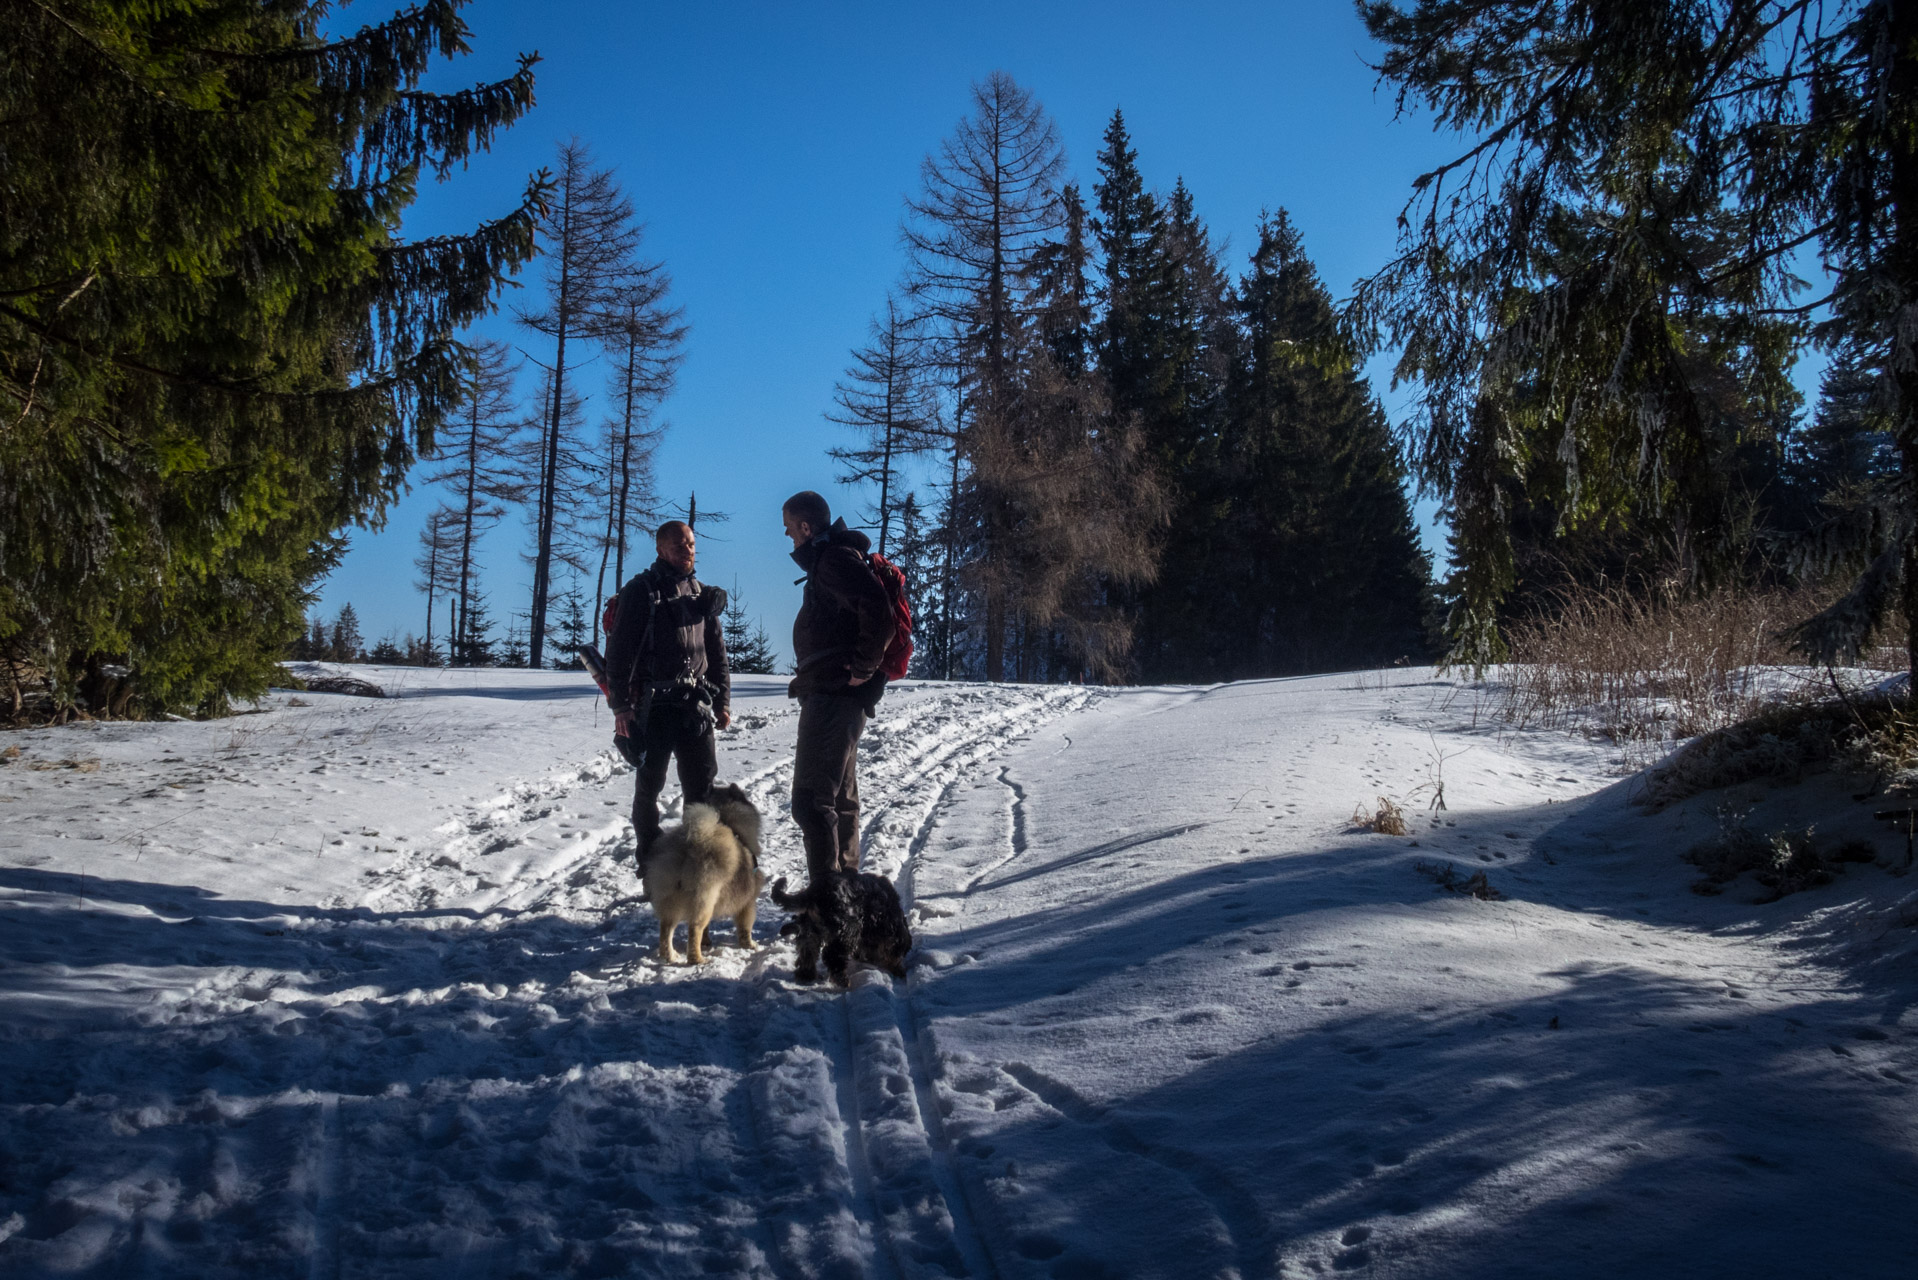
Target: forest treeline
(1098,452)
(1101,443)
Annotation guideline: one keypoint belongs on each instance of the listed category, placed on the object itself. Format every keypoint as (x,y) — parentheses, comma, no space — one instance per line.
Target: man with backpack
(667,680)
(847,622)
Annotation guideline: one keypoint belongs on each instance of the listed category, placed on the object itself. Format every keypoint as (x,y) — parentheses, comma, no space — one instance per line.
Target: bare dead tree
(987,204)
(645,340)
(562,463)
(474,453)
(438,559)
(591,238)
(888,398)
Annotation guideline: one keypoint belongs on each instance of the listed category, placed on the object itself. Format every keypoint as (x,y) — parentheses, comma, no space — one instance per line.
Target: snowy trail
(466,1050)
(1283,1054)
(363,989)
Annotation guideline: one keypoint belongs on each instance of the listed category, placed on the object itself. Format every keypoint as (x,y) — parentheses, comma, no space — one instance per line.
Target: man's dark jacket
(687,637)
(845,621)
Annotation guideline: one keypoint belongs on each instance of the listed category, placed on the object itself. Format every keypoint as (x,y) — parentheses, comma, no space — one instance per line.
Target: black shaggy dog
(849,915)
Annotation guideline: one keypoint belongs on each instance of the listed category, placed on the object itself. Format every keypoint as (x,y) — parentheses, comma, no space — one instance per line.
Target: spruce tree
(1130,228)
(474,645)
(749,651)
(214,354)
(513,652)
(920,554)
(1615,245)
(345,644)
(1319,566)
(574,630)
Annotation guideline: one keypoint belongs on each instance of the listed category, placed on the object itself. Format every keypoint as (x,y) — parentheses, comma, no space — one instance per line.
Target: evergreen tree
(1579,289)
(1059,277)
(575,630)
(513,653)
(345,644)
(388,653)
(419,653)
(474,644)
(749,651)
(591,238)
(920,553)
(1315,564)
(1166,346)
(1130,227)
(214,354)
(311,645)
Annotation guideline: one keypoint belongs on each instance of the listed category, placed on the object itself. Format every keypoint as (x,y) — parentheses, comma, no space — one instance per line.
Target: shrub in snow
(1785,862)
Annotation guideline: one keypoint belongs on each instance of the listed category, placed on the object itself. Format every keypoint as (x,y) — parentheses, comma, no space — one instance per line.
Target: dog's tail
(790,901)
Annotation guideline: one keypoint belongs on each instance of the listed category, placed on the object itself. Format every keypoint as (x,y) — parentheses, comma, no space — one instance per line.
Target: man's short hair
(810,507)
(669,528)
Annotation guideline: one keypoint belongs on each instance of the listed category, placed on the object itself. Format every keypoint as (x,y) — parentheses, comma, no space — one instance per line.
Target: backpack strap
(644,651)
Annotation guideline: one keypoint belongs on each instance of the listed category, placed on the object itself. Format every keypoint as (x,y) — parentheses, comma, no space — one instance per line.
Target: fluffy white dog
(704,868)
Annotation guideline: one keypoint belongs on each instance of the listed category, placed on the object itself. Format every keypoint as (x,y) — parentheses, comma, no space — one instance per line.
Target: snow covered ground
(361,988)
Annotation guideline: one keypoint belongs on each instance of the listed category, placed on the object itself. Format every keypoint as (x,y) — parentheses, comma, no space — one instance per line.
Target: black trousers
(672,732)
(825,790)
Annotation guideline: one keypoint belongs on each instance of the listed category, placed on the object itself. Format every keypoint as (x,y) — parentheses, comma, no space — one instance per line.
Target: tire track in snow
(1237,1212)
(971,1242)
(923,1211)
(846,1077)
(325,1263)
(908,1216)
(933,763)
(847,1086)
(1015,830)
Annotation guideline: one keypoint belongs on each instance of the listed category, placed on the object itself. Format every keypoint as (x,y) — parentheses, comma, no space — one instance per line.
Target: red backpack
(899,652)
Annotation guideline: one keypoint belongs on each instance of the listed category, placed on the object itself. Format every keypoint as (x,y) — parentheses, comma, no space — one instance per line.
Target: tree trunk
(952,534)
(1903,94)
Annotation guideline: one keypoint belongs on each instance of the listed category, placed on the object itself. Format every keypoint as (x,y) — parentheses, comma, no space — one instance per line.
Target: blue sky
(768,148)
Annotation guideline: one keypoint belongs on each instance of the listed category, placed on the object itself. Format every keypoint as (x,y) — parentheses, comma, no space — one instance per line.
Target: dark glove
(870,692)
(628,749)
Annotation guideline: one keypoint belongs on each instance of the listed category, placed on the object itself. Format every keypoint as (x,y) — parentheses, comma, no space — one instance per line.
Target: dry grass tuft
(1387,820)
(1649,673)
(89,764)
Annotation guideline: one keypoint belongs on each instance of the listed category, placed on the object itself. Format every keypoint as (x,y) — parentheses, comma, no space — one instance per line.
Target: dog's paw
(806,976)
(747,944)
(671,957)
